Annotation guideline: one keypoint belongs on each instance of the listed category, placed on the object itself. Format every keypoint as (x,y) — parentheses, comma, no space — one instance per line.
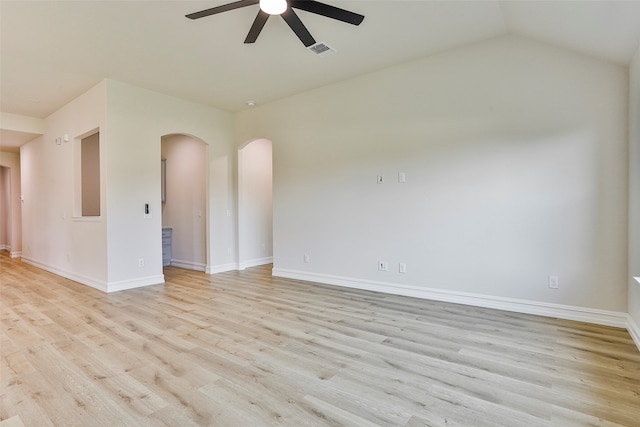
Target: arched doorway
(5,208)
(184,201)
(255,204)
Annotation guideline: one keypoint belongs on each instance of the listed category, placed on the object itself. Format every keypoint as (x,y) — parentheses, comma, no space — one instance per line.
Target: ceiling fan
(284,8)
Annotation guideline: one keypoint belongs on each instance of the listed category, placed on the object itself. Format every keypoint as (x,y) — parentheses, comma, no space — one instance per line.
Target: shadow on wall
(255,204)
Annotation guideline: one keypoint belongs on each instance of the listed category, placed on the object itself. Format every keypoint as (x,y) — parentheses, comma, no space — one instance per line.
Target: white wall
(515,155)
(131,123)
(52,237)
(11,161)
(185,207)
(634,196)
(255,210)
(137,119)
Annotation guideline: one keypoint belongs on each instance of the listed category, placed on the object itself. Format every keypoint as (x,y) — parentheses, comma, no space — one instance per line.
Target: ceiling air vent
(321,49)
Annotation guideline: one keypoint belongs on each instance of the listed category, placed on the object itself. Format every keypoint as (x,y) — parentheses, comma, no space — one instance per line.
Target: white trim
(231,266)
(97,284)
(135,283)
(255,262)
(12,254)
(213,269)
(582,314)
(634,330)
(188,265)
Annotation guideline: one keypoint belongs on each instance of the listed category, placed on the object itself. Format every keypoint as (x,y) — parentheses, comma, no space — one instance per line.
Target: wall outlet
(554,282)
(380,179)
(383,266)
(402,177)
(141,262)
(307,258)
(402,267)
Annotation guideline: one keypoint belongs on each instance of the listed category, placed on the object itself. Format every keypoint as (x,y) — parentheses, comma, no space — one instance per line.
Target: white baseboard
(231,266)
(255,262)
(188,265)
(12,254)
(213,269)
(590,315)
(135,283)
(634,330)
(98,284)
(94,283)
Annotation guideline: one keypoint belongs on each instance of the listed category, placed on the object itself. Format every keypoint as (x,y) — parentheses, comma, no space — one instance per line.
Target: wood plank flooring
(247,349)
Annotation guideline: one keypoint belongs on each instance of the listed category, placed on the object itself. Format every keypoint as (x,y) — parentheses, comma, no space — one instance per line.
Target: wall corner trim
(231,266)
(221,268)
(135,283)
(255,262)
(634,330)
(581,314)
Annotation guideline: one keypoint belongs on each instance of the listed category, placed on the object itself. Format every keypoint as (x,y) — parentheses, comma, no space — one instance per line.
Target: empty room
(340,213)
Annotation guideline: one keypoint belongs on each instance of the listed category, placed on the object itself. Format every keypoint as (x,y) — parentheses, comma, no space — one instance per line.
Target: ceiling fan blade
(298,27)
(328,11)
(223,8)
(258,24)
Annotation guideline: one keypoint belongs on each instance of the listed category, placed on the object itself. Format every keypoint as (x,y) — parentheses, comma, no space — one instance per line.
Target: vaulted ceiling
(52,51)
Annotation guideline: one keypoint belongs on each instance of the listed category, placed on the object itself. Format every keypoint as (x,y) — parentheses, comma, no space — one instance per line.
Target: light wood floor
(246,349)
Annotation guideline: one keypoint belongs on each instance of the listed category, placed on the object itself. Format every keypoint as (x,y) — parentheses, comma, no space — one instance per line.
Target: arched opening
(10,204)
(255,204)
(5,208)
(184,201)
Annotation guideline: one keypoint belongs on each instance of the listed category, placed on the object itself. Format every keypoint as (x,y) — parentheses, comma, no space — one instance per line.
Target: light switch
(147,211)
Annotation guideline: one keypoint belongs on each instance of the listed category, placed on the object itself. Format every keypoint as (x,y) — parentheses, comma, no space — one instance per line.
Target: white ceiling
(52,51)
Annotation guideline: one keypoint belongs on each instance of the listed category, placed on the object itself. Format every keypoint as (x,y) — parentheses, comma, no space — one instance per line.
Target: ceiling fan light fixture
(285,9)
(273,7)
